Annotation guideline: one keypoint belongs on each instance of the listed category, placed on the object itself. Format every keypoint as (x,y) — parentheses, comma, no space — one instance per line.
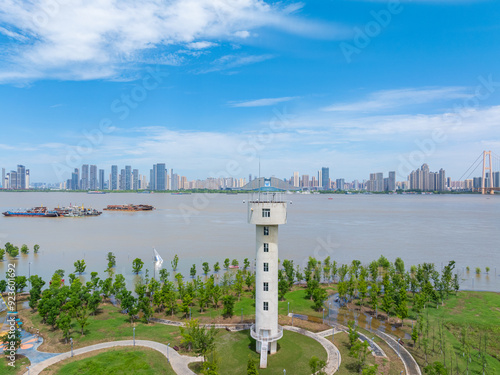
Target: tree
(234,263)
(370,370)
(353,333)
(399,265)
(82,317)
(228,310)
(64,324)
(164,274)
(359,351)
(111,261)
(36,248)
(402,306)
(25,249)
(206,268)
(226,263)
(436,368)
(175,262)
(80,266)
(362,288)
(216,267)
(11,341)
(246,264)
(252,366)
(319,296)
(137,265)
(129,303)
(192,271)
(13,251)
(2,254)
(316,365)
(478,271)
(414,334)
(282,286)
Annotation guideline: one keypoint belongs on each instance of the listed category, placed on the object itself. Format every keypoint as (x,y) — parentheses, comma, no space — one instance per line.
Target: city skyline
(241,83)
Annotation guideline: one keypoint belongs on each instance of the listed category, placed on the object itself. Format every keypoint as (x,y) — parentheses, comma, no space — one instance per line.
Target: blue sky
(208,86)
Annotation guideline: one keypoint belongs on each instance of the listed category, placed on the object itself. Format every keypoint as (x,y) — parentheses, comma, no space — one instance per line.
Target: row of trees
(13,251)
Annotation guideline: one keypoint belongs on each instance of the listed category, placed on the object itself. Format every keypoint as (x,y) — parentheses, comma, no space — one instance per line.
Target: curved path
(333,354)
(178,362)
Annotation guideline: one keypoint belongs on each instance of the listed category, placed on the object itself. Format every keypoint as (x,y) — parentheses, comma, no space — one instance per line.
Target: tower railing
(266,338)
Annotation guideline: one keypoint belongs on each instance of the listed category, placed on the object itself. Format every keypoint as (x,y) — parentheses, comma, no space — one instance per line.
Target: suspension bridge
(490,180)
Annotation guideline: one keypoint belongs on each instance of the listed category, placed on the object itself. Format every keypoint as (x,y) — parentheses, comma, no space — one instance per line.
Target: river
(212,227)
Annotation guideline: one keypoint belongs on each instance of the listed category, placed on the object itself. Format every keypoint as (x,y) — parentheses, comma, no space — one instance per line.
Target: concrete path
(411,366)
(178,362)
(333,355)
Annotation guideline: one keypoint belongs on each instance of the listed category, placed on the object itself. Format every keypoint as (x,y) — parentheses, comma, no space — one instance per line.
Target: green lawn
(294,352)
(20,366)
(480,312)
(123,361)
(109,325)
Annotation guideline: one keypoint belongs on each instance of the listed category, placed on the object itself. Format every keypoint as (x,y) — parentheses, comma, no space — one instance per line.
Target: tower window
(266,267)
(266,306)
(266,287)
(266,231)
(266,247)
(266,212)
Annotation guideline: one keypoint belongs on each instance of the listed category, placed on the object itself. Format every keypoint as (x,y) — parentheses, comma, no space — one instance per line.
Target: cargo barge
(32,212)
(129,207)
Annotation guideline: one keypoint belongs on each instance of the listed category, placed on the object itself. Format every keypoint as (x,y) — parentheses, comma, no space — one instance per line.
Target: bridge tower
(487,166)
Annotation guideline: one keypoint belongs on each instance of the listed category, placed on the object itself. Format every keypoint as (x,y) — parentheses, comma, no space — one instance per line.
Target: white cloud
(76,39)
(262,102)
(234,61)
(389,99)
(201,45)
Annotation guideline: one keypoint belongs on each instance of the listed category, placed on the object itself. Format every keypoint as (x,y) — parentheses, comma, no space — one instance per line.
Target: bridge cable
(472,165)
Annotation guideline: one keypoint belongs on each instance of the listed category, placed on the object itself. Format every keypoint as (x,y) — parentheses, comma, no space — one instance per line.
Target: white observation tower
(266,210)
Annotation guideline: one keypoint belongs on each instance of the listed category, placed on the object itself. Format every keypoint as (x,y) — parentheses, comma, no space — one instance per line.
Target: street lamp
(71,340)
(133,332)
(168,359)
(288,308)
(29,271)
(284,372)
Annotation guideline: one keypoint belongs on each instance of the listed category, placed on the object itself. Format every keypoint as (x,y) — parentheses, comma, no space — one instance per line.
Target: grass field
(21,364)
(119,361)
(294,352)
(479,312)
(108,325)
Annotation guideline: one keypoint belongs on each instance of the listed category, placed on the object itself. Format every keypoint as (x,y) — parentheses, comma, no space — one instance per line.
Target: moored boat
(129,207)
(32,212)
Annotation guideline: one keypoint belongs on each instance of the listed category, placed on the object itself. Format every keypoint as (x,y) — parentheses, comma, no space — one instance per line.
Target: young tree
(414,334)
(64,324)
(175,262)
(12,342)
(13,251)
(246,264)
(2,254)
(252,366)
(82,316)
(137,265)
(228,301)
(359,350)
(234,263)
(216,267)
(111,261)
(192,271)
(164,274)
(399,265)
(36,248)
(129,304)
(319,296)
(80,266)
(206,268)
(226,263)
(317,366)
(25,249)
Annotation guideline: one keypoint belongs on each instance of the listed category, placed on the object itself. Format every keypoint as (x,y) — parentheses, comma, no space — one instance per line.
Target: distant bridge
(491,162)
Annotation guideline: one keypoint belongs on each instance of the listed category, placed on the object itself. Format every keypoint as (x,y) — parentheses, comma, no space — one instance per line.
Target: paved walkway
(411,366)
(178,362)
(333,355)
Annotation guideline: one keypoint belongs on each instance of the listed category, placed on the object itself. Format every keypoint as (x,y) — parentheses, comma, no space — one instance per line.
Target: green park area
(440,325)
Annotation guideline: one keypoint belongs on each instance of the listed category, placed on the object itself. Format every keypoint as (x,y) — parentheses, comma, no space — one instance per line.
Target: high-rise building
(496,179)
(296,181)
(135,179)
(93,177)
(325,178)
(340,182)
(3,178)
(75,179)
(128,177)
(101,179)
(305,181)
(114,178)
(159,176)
(27,179)
(392,181)
(424,180)
(84,183)
(21,177)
